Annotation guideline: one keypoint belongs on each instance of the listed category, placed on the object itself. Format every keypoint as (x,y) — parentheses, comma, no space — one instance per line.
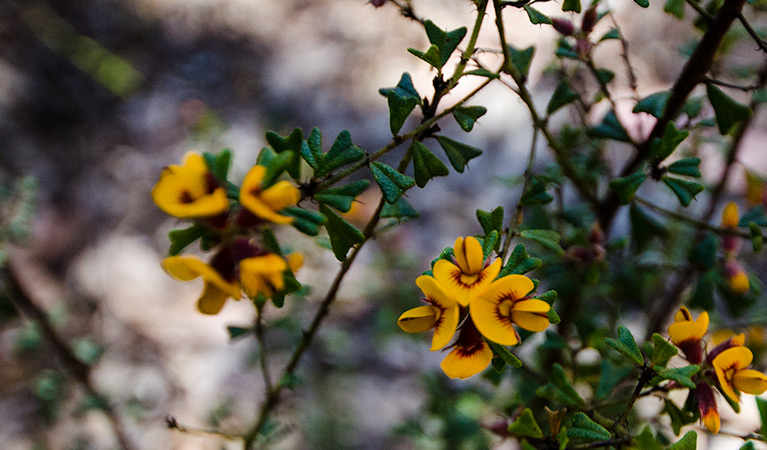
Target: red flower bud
(564,26)
(589,20)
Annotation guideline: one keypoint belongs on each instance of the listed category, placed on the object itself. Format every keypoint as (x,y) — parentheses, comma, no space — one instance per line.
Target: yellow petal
(468,255)
(262,275)
(282,194)
(295,261)
(212,299)
(739,339)
(434,292)
(734,358)
(418,319)
(462,363)
(750,381)
(688,331)
(488,320)
(532,315)
(682,315)
(730,215)
(251,196)
(739,283)
(711,421)
(444,329)
(512,287)
(183,268)
(184,191)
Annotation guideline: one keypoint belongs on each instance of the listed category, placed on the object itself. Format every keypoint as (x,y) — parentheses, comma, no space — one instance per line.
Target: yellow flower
(468,276)
(503,304)
(470,355)
(441,313)
(266,203)
(217,289)
(739,283)
(189,191)
(709,414)
(730,215)
(684,329)
(263,275)
(733,374)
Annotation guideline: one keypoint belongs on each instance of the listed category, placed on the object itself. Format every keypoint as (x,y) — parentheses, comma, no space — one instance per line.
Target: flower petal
(435,293)
(262,275)
(295,261)
(282,194)
(463,363)
(727,364)
(468,255)
(252,197)
(688,331)
(491,323)
(212,299)
(444,329)
(682,315)
(184,191)
(513,287)
(418,319)
(750,381)
(532,315)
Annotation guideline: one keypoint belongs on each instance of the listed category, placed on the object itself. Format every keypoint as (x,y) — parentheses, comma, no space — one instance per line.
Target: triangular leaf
(688,442)
(560,389)
(506,356)
(446,42)
(686,166)
(604,75)
(341,198)
(610,376)
(757,214)
(537,193)
(703,254)
(341,152)
(646,441)
(292,143)
(679,374)
(482,73)
(642,3)
(626,345)
(342,234)
(644,227)
(402,100)
(525,425)
(399,210)
(653,104)
(729,113)
(491,220)
(535,16)
(584,428)
(466,116)
(572,5)
(426,165)
(180,239)
(392,183)
(614,33)
(520,262)
(521,59)
(610,128)
(548,238)
(627,186)
(304,220)
(685,190)
(458,153)
(563,95)
(675,8)
(664,146)
(663,350)
(489,243)
(311,149)
(431,55)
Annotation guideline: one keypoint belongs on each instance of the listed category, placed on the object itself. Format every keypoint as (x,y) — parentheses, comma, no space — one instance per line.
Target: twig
(747,88)
(601,444)
(516,217)
(262,353)
(759,41)
(172,424)
(692,221)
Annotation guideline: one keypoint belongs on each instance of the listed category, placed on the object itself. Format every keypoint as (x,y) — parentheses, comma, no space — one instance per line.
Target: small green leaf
(604,76)
(662,147)
(642,3)
(675,8)
(688,442)
(506,356)
(686,166)
(218,164)
(761,405)
(627,186)
(402,100)
(489,243)
(584,428)
(614,33)
(610,128)
(292,143)
(491,220)
(653,104)
(400,210)
(446,42)
(535,16)
(748,446)
(536,193)
(304,220)
(560,389)
(548,238)
(466,116)
(343,235)
(235,332)
(679,374)
(572,5)
(610,376)
(549,297)
(729,113)
(563,95)
(431,55)
(482,73)
(626,345)
(520,262)
(679,418)
(646,440)
(521,59)
(426,165)
(663,350)
(311,149)
(341,152)
(644,227)
(757,214)
(341,198)
(180,239)
(703,254)
(392,183)
(685,190)
(458,153)
(526,426)
(757,239)
(553,316)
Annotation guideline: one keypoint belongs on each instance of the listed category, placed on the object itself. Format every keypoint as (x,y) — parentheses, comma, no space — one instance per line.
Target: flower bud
(730,216)
(589,20)
(564,26)
(737,278)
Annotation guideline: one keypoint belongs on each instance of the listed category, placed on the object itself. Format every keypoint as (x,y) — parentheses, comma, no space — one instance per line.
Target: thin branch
(746,88)
(759,41)
(406,9)
(262,353)
(172,424)
(692,221)
(601,444)
(516,217)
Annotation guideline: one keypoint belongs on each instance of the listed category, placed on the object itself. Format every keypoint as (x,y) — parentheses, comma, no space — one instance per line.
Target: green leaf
(757,239)
(572,5)
(679,374)
(563,95)
(646,440)
(548,238)
(392,183)
(610,376)
(627,186)
(626,345)
(506,356)
(703,254)
(549,297)
(761,405)
(218,164)
(644,227)
(525,425)
(482,73)
(614,33)
(341,198)
(343,235)
(584,428)
(604,76)
(662,147)
(402,100)
(491,220)
(663,350)
(180,239)
(292,143)
(553,316)
(520,262)
(235,332)
(653,104)
(642,3)
(729,113)
(304,220)
(610,128)
(426,165)
(536,193)
(685,190)
(489,243)
(748,446)
(675,8)
(757,214)
(686,166)
(703,295)
(431,55)
(560,389)
(341,152)
(679,418)
(466,116)
(688,442)
(399,210)
(521,59)
(458,153)
(446,42)
(536,17)
(311,149)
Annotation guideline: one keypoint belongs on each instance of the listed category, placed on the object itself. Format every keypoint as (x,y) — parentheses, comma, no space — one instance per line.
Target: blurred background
(96,96)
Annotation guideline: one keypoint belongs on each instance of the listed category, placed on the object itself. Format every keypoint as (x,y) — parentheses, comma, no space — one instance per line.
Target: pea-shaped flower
(189,191)
(266,203)
(217,288)
(734,376)
(467,275)
(441,313)
(470,354)
(687,333)
(265,274)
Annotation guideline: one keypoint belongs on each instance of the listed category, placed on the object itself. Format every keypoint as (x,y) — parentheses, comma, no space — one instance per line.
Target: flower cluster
(464,295)
(736,276)
(239,264)
(725,367)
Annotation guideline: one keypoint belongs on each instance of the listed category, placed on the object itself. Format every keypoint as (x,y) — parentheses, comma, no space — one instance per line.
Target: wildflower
(266,203)
(217,288)
(263,275)
(730,219)
(470,354)
(686,333)
(709,414)
(733,374)
(737,278)
(441,313)
(503,304)
(467,275)
(189,191)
